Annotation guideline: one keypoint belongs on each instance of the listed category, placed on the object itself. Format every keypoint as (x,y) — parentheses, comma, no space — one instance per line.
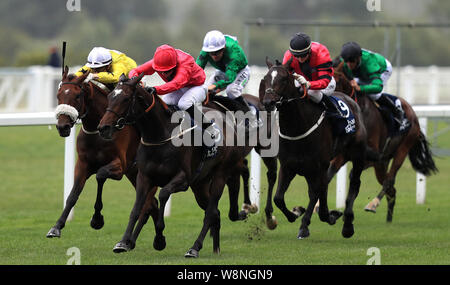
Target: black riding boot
(329,105)
(399,114)
(209,151)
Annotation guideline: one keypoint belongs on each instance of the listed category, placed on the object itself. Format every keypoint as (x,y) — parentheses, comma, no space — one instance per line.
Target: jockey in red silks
(184,79)
(312,67)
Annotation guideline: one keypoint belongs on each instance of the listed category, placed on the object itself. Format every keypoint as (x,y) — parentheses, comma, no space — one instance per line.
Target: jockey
(232,70)
(369,73)
(312,66)
(106,66)
(184,79)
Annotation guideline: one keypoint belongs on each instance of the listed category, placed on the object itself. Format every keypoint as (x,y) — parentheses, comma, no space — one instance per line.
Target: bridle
(282,101)
(82,94)
(124,120)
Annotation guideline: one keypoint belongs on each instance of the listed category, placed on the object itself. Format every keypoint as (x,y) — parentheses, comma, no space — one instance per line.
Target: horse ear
(81,78)
(123,77)
(268,62)
(65,72)
(138,78)
(288,63)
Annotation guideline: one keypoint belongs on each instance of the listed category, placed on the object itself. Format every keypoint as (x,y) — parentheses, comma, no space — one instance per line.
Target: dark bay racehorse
(175,168)
(307,145)
(392,148)
(112,159)
(221,103)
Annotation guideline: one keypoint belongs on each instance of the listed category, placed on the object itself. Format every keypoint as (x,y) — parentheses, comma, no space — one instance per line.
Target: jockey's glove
(301,81)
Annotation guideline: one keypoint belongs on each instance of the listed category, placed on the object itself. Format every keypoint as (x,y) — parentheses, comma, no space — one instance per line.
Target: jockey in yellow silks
(106,65)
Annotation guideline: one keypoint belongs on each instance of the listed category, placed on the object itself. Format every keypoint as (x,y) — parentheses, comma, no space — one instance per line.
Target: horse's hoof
(348,231)
(250,208)
(159,243)
(372,210)
(334,216)
(272,223)
(303,233)
(298,211)
(54,232)
(192,253)
(97,222)
(253,209)
(121,247)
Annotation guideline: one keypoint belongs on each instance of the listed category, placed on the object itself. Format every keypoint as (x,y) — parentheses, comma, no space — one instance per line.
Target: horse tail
(421,157)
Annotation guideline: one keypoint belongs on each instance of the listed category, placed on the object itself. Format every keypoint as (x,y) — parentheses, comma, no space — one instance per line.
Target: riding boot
(399,114)
(243,106)
(204,124)
(329,105)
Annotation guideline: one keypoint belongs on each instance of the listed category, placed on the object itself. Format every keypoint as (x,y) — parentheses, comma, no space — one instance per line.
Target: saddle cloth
(343,123)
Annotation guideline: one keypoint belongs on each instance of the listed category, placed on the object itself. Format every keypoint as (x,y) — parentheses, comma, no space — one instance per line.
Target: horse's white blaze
(273,74)
(117,92)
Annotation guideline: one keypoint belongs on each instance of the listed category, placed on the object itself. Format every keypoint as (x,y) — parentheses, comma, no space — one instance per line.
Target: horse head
(276,85)
(72,97)
(342,83)
(120,105)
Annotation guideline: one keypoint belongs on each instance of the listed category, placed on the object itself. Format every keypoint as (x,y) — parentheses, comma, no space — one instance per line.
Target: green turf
(31,199)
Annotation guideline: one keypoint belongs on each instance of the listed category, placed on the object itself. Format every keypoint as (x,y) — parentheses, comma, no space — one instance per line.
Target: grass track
(31,183)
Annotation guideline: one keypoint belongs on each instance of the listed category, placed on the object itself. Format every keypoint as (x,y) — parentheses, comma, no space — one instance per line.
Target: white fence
(33,89)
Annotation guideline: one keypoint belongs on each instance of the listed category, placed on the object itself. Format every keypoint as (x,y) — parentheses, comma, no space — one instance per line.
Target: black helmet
(350,51)
(300,44)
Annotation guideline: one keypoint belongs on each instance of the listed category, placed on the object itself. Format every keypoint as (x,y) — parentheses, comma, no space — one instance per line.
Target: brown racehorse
(307,145)
(161,162)
(395,149)
(222,103)
(107,159)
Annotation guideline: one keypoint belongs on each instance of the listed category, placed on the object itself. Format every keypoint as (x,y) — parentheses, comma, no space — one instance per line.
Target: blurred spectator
(54,59)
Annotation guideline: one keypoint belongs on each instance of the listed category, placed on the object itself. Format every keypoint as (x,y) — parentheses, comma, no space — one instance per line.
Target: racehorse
(78,99)
(175,168)
(222,103)
(391,148)
(307,145)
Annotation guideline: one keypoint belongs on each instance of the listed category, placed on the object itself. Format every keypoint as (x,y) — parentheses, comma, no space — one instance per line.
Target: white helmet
(214,41)
(98,57)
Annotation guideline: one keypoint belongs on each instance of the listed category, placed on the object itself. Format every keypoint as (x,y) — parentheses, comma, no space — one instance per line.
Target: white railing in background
(33,89)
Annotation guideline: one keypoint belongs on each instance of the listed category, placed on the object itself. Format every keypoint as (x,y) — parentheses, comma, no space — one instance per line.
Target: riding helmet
(214,41)
(165,58)
(350,51)
(300,44)
(98,57)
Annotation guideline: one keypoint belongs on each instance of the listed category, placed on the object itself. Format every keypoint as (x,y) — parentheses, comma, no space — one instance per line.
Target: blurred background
(31,30)
(28,29)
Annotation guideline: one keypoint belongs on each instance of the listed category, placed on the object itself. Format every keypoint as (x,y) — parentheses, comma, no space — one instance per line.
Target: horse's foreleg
(212,215)
(177,184)
(233,184)
(271,164)
(285,177)
(112,170)
(80,177)
(355,183)
(142,187)
(150,209)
